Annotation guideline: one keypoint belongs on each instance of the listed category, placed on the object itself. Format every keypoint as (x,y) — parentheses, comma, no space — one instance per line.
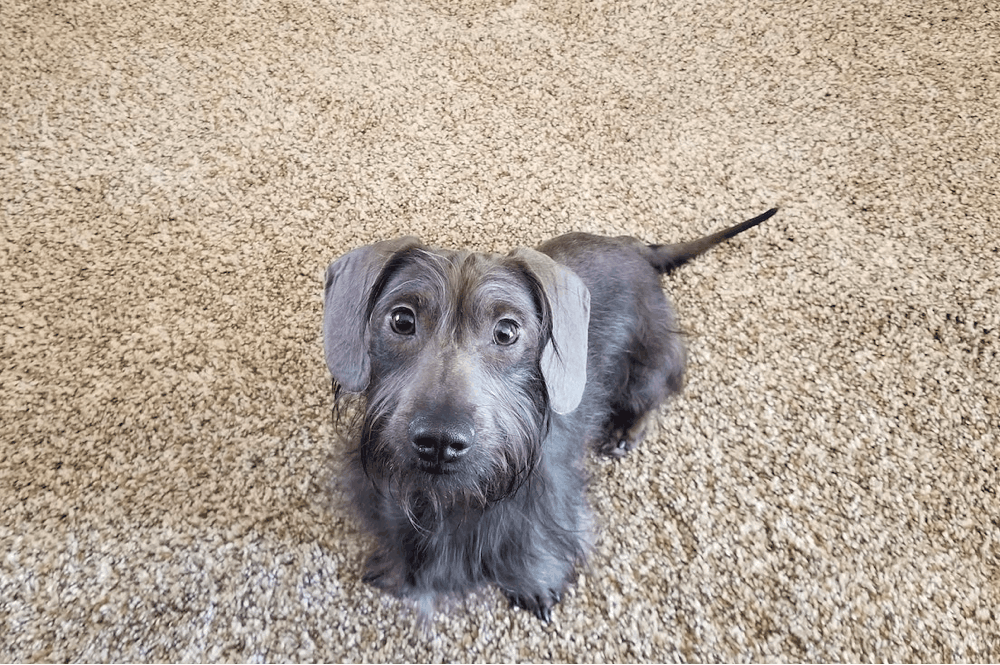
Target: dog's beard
(506,451)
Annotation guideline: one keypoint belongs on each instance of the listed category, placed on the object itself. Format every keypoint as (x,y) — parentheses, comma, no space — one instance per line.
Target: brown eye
(403,321)
(506,331)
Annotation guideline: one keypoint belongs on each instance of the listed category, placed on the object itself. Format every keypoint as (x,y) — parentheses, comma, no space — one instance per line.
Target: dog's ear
(564,358)
(349,282)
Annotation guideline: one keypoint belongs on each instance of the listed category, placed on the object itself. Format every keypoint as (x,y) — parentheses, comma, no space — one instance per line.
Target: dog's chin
(459,482)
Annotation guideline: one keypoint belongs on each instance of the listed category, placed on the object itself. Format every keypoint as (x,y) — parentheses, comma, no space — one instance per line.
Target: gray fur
(484,379)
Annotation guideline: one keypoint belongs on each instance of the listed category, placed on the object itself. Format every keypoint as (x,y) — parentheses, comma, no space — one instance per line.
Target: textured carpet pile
(176,175)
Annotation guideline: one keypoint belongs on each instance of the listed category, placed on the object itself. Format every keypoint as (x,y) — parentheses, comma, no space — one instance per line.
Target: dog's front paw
(540,604)
(382,573)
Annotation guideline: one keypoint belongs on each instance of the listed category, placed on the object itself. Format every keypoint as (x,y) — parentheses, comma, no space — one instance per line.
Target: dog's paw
(617,446)
(382,574)
(621,440)
(540,604)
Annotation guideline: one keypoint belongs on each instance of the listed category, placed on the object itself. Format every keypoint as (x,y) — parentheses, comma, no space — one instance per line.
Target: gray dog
(484,378)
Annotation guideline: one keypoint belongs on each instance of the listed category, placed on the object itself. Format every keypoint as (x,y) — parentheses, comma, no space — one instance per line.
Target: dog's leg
(654,359)
(549,524)
(542,552)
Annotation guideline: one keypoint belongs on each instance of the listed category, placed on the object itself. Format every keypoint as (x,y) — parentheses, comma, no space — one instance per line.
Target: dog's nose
(441,436)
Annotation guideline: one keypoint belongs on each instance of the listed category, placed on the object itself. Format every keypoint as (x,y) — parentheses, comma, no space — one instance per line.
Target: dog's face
(455,388)
(460,357)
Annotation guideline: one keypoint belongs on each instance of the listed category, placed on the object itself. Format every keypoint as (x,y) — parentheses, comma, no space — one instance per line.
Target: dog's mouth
(437,467)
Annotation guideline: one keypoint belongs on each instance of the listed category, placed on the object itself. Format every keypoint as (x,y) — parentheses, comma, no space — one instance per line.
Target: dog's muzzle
(441,438)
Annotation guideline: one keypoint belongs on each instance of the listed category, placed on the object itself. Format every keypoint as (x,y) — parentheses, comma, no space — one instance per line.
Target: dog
(484,379)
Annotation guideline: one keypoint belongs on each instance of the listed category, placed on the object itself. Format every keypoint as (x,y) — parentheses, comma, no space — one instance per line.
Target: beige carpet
(175,176)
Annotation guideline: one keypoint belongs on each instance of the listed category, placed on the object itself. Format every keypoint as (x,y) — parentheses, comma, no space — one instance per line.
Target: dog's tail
(667,257)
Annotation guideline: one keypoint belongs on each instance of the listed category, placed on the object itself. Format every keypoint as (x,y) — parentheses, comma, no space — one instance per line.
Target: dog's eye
(506,331)
(402,321)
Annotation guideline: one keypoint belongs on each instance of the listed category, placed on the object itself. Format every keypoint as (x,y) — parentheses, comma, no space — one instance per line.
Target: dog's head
(460,357)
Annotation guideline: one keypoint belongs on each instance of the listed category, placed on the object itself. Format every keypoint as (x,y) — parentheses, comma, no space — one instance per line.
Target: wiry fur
(467,466)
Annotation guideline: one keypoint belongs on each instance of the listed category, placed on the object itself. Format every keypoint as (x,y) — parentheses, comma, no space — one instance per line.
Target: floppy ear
(349,282)
(564,358)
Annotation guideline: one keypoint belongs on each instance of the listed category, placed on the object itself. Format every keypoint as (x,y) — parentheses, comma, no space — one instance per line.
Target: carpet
(175,177)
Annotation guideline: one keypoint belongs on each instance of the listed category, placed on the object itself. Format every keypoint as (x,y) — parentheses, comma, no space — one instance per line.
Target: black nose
(441,436)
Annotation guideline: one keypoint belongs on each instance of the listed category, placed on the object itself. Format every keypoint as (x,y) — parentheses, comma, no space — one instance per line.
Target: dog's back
(636,354)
